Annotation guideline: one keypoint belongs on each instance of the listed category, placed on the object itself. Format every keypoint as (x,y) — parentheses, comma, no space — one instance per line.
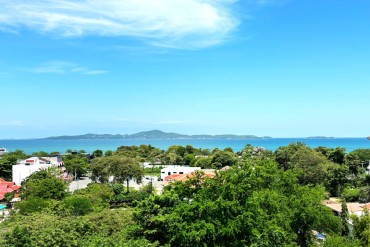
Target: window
(181,172)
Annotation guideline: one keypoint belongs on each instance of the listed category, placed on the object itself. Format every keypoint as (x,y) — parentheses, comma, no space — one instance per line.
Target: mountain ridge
(152,134)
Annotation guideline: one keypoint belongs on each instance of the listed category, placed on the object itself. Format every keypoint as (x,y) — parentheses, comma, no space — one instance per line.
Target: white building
(25,168)
(170,170)
(3,151)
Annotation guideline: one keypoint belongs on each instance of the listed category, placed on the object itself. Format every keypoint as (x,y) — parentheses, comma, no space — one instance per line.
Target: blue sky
(264,67)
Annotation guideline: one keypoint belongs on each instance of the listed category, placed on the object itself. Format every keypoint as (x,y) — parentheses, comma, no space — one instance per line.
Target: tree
(40,154)
(44,184)
(78,205)
(7,161)
(309,165)
(337,241)
(361,227)
(99,169)
(121,168)
(97,153)
(125,169)
(344,215)
(335,155)
(223,158)
(254,204)
(285,154)
(354,164)
(362,153)
(336,179)
(76,164)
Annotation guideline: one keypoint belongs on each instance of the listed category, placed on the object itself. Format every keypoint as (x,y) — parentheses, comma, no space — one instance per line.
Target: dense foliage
(257,198)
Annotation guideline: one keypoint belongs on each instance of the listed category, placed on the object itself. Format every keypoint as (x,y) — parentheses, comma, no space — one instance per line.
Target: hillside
(152,134)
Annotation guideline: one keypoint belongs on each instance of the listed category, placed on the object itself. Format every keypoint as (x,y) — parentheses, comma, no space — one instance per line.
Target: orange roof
(172,177)
(185,177)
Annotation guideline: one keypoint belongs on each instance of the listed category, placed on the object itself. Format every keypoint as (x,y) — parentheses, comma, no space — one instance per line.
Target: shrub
(351,195)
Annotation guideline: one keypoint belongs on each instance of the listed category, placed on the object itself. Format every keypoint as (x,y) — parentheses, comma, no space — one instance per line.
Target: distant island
(320,137)
(154,134)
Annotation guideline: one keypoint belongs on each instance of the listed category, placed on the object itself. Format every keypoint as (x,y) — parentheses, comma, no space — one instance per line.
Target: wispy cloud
(170,122)
(12,124)
(166,23)
(62,67)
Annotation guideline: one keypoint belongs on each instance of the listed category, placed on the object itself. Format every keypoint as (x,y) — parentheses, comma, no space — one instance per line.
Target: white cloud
(170,122)
(12,124)
(62,67)
(165,23)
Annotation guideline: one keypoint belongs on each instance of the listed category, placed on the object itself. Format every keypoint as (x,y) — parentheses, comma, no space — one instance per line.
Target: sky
(280,68)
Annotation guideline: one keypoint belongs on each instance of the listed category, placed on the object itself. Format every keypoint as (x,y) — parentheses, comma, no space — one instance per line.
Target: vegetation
(264,198)
(7,161)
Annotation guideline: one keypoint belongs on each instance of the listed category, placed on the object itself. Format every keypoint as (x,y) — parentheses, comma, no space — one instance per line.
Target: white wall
(21,171)
(177,170)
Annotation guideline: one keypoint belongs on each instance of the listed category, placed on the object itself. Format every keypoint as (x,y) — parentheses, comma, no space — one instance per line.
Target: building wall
(177,170)
(21,171)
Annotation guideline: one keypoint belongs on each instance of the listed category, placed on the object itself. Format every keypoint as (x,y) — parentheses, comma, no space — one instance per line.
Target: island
(154,134)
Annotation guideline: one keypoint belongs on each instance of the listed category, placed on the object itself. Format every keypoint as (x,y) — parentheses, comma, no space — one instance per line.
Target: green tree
(344,215)
(125,169)
(361,227)
(76,164)
(41,154)
(335,155)
(255,204)
(338,241)
(7,161)
(97,153)
(99,169)
(354,164)
(362,153)
(336,179)
(44,184)
(78,205)
(223,158)
(119,167)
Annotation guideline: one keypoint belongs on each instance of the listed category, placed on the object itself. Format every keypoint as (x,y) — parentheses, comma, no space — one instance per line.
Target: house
(207,173)
(25,168)
(353,207)
(3,151)
(7,187)
(170,170)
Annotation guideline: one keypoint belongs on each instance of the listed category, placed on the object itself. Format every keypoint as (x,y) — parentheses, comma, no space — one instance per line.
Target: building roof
(353,207)
(187,176)
(6,187)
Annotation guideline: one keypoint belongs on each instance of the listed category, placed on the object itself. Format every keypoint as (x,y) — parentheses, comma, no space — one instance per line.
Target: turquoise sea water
(30,146)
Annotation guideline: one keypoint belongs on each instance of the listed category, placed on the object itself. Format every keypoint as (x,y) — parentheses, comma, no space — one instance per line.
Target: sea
(35,145)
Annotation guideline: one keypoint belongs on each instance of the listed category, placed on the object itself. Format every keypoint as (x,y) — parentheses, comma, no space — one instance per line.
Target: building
(7,187)
(207,173)
(3,151)
(353,207)
(25,168)
(170,170)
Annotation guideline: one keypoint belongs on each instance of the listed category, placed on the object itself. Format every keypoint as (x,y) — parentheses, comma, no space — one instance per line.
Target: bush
(79,205)
(351,195)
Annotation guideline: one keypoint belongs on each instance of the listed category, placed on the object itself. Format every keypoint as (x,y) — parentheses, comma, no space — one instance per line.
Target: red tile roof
(6,187)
